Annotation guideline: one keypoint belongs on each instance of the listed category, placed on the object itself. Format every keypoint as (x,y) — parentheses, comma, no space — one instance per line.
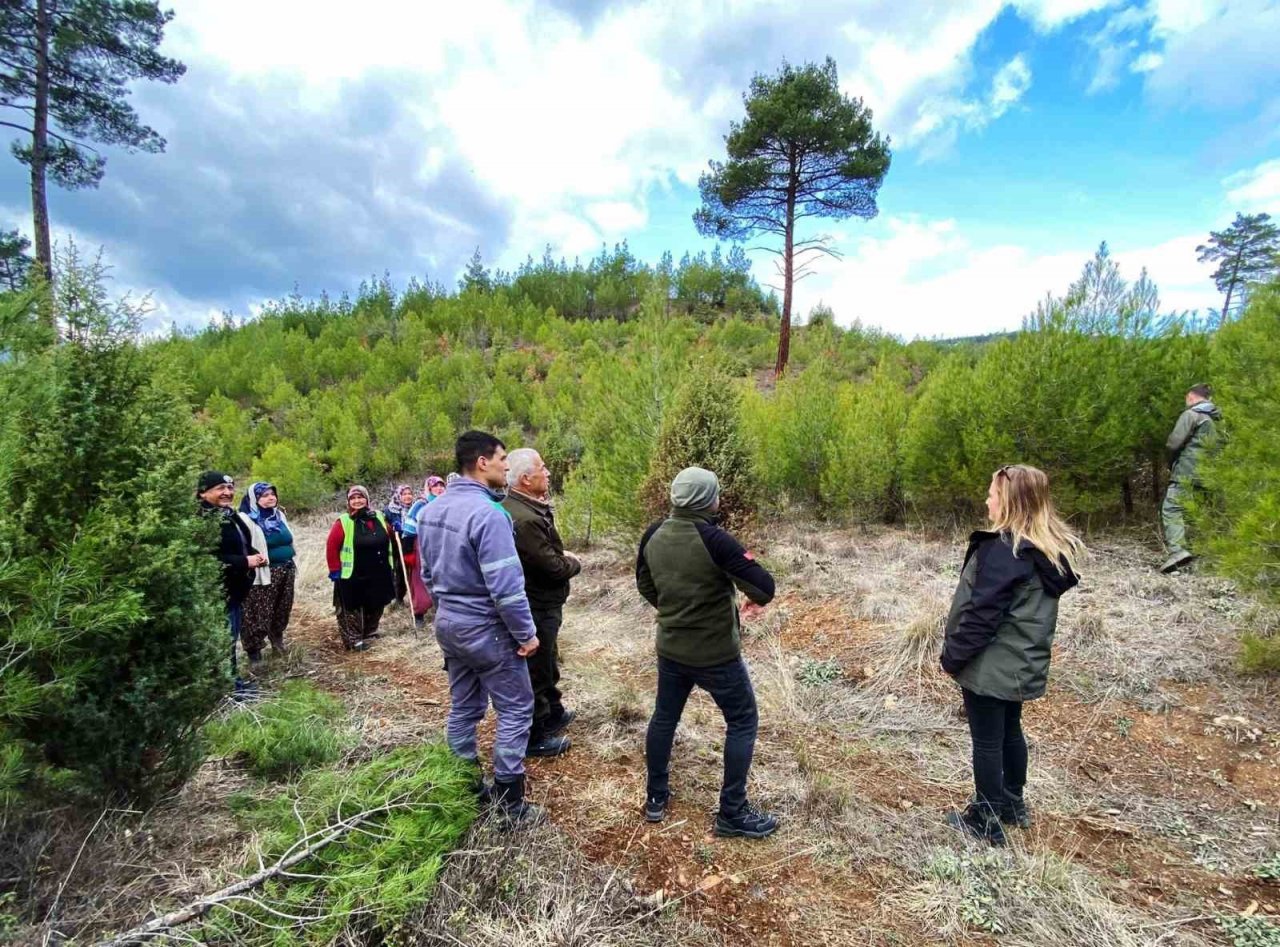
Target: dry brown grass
(860,765)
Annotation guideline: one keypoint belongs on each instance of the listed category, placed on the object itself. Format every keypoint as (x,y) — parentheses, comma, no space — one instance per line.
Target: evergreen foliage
(804,150)
(313,395)
(703,428)
(1242,517)
(298,729)
(1247,252)
(113,633)
(361,887)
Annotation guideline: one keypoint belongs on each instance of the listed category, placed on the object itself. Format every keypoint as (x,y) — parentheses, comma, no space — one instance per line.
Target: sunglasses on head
(1004,471)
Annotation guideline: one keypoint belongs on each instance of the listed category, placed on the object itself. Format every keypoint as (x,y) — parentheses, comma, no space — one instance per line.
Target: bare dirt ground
(1155,782)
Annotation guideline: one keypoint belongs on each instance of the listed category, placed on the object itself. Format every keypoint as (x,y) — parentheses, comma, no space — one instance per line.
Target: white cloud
(1257,189)
(1048,15)
(560,117)
(1009,85)
(927,278)
(941,120)
(1214,53)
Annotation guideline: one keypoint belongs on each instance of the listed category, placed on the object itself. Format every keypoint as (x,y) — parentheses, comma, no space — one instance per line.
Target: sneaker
(655,809)
(1176,562)
(1014,812)
(548,746)
(561,723)
(750,822)
(978,822)
(362,645)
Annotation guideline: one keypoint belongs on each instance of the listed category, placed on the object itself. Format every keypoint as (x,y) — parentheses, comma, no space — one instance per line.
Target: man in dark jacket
(547,571)
(215,491)
(1192,436)
(688,569)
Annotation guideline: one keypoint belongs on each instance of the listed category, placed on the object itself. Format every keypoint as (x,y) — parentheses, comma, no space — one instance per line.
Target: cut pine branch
(300,852)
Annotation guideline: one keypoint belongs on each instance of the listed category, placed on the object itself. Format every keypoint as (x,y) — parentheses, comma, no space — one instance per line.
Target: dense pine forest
(596,365)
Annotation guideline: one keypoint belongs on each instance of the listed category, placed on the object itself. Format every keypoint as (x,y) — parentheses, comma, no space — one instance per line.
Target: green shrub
(365,883)
(1242,519)
(299,729)
(113,632)
(790,429)
(300,482)
(1259,654)
(703,428)
(862,471)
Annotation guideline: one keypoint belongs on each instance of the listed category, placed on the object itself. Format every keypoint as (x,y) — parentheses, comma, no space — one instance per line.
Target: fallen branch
(202,906)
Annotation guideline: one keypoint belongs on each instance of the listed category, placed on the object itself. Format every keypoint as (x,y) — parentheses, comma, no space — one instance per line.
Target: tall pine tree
(804,150)
(1246,252)
(65,68)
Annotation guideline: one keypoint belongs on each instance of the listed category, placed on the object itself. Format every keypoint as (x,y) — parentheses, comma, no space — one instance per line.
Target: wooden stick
(408,585)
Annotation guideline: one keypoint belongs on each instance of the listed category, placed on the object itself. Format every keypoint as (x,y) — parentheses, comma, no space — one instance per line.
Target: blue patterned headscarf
(270,521)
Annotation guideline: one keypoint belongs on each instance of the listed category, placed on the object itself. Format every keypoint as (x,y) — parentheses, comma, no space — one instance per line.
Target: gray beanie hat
(694,489)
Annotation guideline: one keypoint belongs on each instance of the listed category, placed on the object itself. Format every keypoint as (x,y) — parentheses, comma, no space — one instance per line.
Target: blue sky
(312,147)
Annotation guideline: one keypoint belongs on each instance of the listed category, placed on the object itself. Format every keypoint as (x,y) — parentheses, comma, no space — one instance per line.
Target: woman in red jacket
(362,561)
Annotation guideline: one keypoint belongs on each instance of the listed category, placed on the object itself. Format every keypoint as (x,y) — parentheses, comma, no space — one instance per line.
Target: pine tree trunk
(1231,288)
(788,280)
(40,143)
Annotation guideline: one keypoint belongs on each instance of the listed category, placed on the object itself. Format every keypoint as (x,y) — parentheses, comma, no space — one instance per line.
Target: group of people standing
(486,553)
(255,547)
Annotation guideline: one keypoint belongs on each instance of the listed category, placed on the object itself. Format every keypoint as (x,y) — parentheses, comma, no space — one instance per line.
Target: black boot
(513,811)
(1014,811)
(558,724)
(978,821)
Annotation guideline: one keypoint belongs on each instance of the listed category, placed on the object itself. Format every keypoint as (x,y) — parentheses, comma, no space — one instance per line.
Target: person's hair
(521,461)
(1204,391)
(473,445)
(1027,512)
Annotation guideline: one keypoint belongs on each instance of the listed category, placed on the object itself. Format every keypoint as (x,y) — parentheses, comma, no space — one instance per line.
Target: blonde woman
(999,637)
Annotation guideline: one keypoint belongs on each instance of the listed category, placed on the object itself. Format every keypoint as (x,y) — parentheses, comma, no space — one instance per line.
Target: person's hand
(257,559)
(335,575)
(751,611)
(574,559)
(528,647)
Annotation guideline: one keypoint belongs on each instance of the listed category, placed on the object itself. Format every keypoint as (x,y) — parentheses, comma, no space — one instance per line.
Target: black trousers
(544,671)
(999,748)
(729,685)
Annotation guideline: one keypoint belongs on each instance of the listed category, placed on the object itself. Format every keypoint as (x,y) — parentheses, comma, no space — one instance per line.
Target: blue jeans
(729,685)
(483,665)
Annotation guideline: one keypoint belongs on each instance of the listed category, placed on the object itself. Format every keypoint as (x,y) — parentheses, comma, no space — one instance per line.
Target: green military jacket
(1193,435)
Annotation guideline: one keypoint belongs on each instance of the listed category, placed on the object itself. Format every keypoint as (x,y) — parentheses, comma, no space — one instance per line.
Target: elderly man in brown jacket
(547,571)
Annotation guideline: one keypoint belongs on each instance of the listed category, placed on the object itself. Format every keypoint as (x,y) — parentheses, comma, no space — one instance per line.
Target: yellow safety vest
(348,556)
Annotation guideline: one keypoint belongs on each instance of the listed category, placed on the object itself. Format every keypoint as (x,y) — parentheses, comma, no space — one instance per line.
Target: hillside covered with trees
(864,427)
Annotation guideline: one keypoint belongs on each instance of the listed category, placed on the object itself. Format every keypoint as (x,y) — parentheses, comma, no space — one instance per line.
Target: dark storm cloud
(260,190)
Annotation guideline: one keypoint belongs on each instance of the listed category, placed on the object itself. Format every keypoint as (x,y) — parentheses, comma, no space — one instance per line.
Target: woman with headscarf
(267,607)
(362,564)
(402,500)
(421,598)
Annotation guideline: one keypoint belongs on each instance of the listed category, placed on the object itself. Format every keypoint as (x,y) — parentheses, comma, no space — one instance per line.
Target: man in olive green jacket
(547,571)
(1193,435)
(690,570)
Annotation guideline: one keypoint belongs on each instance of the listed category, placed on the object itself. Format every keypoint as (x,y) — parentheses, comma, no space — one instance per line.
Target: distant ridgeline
(585,363)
